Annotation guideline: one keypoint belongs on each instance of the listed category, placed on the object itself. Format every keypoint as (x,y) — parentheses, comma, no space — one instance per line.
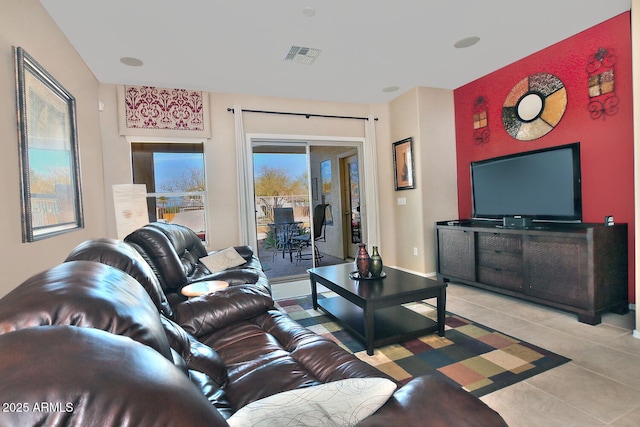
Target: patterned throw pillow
(338,403)
(222,260)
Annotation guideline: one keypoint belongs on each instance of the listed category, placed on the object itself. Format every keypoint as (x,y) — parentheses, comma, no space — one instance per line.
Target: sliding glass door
(300,205)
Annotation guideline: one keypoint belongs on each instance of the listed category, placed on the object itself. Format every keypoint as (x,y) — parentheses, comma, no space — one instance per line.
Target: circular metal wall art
(534,106)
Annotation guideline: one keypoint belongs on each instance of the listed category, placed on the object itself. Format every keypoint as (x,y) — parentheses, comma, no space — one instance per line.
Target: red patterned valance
(148,107)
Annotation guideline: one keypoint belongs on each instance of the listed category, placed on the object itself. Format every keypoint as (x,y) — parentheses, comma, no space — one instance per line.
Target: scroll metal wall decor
(481,120)
(602,89)
(149,107)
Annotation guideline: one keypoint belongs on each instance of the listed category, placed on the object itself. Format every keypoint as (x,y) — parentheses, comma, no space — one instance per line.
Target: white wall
(25,23)
(426,115)
(104,154)
(437,154)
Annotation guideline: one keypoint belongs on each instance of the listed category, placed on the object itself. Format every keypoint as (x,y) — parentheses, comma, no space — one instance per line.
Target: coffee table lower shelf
(390,324)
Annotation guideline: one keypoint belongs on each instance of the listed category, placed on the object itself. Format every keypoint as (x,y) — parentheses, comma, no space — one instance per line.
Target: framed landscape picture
(325,173)
(403,170)
(49,161)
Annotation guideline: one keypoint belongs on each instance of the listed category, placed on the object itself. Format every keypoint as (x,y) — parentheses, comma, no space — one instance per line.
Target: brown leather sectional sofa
(105,339)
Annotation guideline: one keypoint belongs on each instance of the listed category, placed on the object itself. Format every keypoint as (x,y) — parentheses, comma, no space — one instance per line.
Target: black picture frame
(51,196)
(403,165)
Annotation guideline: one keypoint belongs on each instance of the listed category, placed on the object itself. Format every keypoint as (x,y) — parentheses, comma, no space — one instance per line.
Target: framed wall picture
(51,196)
(403,170)
(325,172)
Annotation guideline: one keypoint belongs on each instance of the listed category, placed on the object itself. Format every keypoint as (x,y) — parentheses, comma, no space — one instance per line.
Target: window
(174,176)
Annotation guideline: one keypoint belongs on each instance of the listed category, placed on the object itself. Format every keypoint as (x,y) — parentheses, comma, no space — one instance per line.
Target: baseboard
(636,332)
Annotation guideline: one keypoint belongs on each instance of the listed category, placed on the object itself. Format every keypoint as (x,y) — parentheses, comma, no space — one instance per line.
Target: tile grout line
(559,399)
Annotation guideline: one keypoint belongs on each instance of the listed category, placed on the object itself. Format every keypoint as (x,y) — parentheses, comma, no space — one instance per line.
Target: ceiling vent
(302,55)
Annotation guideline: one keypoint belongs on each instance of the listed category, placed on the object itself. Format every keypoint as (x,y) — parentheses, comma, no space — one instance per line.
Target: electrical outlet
(415,251)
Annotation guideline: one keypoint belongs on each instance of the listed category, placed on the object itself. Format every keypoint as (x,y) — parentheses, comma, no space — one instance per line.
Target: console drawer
(500,242)
(511,261)
(502,278)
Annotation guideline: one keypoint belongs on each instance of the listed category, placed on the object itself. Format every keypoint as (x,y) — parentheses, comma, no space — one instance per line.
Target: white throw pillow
(222,260)
(339,403)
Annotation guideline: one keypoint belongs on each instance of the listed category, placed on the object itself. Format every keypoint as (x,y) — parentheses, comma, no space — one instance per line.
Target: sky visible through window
(294,164)
(170,166)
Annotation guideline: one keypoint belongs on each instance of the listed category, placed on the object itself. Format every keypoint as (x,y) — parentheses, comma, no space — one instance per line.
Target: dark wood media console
(581,268)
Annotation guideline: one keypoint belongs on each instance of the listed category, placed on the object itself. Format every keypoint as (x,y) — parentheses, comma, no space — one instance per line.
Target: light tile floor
(599,387)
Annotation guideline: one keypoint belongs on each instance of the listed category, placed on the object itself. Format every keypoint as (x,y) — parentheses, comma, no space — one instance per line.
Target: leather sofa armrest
(233,276)
(193,354)
(430,401)
(240,276)
(95,378)
(205,314)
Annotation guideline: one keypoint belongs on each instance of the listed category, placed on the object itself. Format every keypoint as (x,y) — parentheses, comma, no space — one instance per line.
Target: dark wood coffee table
(372,309)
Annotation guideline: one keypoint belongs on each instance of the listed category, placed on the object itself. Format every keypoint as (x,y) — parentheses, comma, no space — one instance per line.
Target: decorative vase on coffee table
(376,263)
(363,261)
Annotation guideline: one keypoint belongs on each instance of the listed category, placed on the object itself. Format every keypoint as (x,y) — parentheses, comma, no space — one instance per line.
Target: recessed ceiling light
(390,88)
(309,12)
(131,62)
(466,42)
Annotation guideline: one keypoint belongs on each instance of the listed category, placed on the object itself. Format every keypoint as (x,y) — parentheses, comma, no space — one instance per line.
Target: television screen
(542,185)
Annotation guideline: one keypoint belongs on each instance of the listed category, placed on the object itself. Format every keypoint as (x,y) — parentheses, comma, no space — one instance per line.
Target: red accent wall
(606,143)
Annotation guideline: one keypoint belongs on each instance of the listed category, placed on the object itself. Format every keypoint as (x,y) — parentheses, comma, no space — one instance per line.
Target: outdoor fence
(188,209)
(265,205)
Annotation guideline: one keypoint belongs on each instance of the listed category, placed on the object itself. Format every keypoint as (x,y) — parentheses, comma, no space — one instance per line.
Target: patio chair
(304,240)
(285,228)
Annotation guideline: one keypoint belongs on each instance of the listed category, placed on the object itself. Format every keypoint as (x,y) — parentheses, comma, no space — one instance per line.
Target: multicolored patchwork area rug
(478,358)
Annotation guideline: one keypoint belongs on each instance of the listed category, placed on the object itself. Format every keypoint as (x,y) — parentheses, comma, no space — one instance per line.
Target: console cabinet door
(557,269)
(457,254)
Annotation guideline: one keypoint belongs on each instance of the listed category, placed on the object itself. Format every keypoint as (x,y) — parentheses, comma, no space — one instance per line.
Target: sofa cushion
(86,377)
(179,362)
(196,355)
(158,251)
(184,239)
(339,403)
(221,260)
(208,313)
(173,252)
(186,244)
(86,294)
(124,257)
(270,353)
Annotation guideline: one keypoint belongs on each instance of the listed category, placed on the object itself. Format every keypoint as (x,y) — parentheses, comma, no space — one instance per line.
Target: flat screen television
(543,185)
